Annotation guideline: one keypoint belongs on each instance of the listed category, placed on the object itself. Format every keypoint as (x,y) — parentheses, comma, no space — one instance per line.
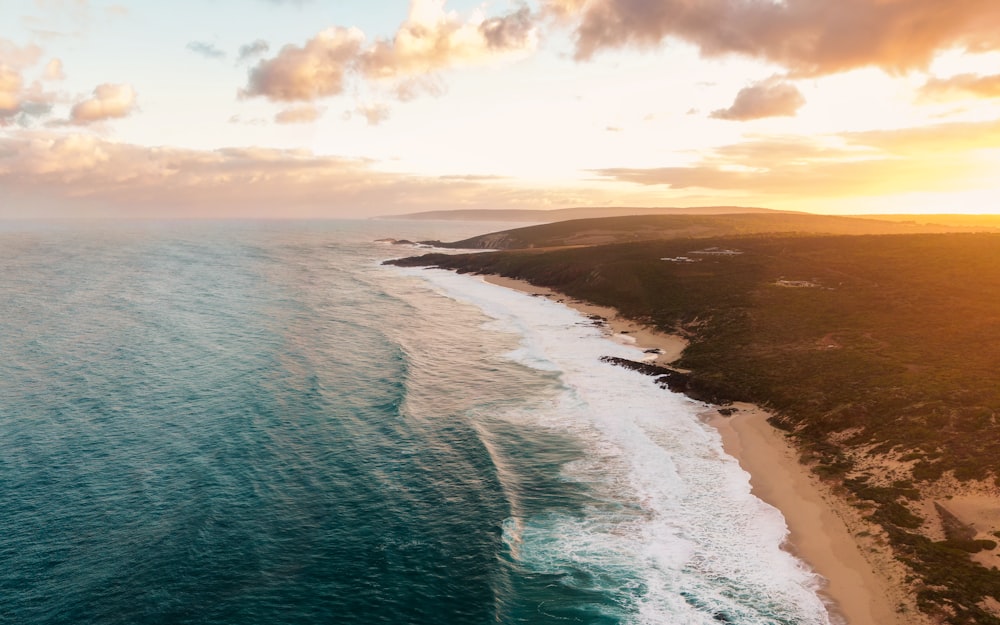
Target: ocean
(258,423)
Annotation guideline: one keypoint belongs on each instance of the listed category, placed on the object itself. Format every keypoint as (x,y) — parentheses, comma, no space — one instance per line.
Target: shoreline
(822,528)
(824,531)
(670,345)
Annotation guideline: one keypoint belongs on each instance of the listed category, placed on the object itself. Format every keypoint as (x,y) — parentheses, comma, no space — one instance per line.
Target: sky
(340,108)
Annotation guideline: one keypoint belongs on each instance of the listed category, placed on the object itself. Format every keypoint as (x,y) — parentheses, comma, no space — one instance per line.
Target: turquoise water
(234,423)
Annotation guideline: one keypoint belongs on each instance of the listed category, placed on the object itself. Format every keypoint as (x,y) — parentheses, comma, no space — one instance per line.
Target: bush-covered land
(608,230)
(882,346)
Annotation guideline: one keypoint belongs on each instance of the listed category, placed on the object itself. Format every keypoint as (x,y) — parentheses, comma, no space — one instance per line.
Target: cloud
(205,49)
(772,97)
(108,102)
(512,31)
(31,103)
(10,91)
(251,121)
(374,114)
(810,180)
(54,70)
(471,177)
(58,19)
(20,103)
(946,157)
(430,40)
(411,88)
(298,115)
(310,72)
(56,175)
(252,50)
(808,37)
(18,57)
(962,86)
(935,140)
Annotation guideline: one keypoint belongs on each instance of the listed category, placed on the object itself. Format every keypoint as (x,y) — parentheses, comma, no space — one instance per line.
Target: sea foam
(671,529)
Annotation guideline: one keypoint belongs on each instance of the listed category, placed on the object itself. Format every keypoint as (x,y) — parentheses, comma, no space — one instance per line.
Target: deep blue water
(238,423)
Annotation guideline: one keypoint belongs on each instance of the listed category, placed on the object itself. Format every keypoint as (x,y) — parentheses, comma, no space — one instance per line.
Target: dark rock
(673,380)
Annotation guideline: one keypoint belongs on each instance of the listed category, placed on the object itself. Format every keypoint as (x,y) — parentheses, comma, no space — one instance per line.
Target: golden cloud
(10,91)
(772,97)
(945,140)
(298,115)
(808,37)
(947,157)
(962,86)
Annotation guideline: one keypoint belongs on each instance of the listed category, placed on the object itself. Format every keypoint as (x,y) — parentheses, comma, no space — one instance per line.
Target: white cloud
(431,39)
(109,101)
(313,71)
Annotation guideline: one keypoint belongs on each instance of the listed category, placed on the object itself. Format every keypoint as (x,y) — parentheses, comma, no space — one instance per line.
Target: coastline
(670,345)
(864,585)
(823,529)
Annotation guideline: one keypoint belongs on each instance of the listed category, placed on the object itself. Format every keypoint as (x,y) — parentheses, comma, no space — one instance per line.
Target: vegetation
(634,228)
(883,346)
(581,212)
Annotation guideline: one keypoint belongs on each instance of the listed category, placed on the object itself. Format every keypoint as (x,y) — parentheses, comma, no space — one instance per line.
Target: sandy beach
(864,584)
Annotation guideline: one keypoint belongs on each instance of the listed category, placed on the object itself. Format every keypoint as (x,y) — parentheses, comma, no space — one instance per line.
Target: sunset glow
(302,108)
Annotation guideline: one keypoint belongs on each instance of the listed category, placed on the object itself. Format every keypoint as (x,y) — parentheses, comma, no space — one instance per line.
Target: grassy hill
(873,351)
(985,221)
(582,212)
(608,230)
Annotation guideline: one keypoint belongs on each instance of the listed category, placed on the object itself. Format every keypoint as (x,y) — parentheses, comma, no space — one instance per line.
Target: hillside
(582,212)
(607,230)
(985,221)
(879,354)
